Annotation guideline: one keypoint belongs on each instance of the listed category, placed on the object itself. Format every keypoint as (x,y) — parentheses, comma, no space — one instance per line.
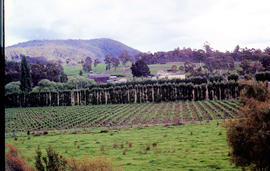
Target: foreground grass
(187,147)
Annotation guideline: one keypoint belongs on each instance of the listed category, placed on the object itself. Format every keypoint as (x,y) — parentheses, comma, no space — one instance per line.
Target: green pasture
(199,146)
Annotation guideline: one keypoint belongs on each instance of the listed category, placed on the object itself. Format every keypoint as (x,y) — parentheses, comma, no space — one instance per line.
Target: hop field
(120,115)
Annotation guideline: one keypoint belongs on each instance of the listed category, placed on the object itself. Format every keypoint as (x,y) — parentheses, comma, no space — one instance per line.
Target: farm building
(166,75)
(122,80)
(99,78)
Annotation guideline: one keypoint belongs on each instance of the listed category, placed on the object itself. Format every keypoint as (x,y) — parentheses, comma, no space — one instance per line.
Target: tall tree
(246,66)
(208,49)
(63,77)
(199,55)
(257,67)
(115,62)
(87,65)
(25,77)
(80,73)
(54,71)
(96,62)
(38,73)
(235,53)
(140,69)
(266,62)
(12,71)
(124,57)
(108,61)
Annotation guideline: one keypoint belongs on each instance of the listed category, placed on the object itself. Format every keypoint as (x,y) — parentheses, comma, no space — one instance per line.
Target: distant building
(122,80)
(99,78)
(113,78)
(166,75)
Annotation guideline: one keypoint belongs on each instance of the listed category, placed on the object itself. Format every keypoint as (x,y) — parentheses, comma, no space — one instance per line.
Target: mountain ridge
(73,50)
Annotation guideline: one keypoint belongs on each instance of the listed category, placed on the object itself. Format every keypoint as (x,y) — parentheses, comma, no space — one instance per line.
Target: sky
(146,25)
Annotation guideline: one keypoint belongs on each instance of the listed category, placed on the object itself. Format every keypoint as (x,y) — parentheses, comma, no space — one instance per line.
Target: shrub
(130,144)
(14,162)
(75,132)
(248,135)
(104,131)
(124,151)
(147,147)
(154,144)
(255,90)
(115,145)
(52,161)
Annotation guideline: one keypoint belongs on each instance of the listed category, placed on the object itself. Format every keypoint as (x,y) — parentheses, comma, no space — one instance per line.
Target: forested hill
(72,50)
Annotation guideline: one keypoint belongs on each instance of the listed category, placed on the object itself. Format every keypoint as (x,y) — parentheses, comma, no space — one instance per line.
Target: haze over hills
(71,49)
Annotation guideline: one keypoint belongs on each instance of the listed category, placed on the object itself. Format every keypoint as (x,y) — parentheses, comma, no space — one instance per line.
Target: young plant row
(117,115)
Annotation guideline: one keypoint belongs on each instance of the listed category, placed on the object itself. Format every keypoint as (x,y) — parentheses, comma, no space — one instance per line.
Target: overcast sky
(146,25)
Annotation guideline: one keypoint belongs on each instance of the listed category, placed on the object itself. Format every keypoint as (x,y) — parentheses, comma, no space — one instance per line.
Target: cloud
(152,25)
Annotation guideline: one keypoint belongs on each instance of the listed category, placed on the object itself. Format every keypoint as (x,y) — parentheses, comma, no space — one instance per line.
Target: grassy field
(116,115)
(72,70)
(149,136)
(200,146)
(126,72)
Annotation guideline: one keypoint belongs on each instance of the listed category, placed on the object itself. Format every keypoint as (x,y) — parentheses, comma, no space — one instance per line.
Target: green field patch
(153,148)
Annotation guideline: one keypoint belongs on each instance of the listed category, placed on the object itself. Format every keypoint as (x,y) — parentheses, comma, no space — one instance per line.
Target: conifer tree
(25,77)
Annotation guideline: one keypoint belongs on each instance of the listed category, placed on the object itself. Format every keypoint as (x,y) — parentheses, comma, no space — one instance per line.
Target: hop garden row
(139,93)
(91,116)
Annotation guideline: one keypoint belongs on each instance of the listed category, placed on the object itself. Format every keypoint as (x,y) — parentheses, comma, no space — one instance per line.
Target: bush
(52,161)
(13,88)
(14,162)
(78,82)
(253,89)
(96,164)
(248,135)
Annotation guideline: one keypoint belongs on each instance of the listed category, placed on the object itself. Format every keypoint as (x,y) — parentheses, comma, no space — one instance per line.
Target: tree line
(140,92)
(38,71)
(205,54)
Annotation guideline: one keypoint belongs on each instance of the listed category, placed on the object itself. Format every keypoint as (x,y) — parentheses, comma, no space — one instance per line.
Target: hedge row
(263,76)
(128,94)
